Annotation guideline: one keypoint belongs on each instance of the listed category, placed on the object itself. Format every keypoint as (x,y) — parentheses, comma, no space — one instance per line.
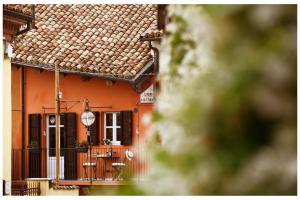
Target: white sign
(9,50)
(148,95)
(7,187)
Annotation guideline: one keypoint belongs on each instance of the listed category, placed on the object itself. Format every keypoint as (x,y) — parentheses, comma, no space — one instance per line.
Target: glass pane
(119,134)
(52,141)
(62,141)
(62,138)
(109,134)
(118,119)
(52,119)
(109,119)
(62,119)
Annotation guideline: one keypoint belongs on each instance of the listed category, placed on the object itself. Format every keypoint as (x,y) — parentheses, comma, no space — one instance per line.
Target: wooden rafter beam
(14,20)
(86,78)
(61,74)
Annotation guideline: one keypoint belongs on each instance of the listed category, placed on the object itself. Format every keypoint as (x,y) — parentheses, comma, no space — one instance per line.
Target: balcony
(80,166)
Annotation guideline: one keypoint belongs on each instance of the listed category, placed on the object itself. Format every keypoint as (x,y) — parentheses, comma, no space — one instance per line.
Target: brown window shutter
(70,129)
(70,167)
(34,121)
(35,128)
(94,130)
(126,117)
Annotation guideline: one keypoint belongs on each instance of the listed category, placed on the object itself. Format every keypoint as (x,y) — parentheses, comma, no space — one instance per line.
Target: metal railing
(23,188)
(107,163)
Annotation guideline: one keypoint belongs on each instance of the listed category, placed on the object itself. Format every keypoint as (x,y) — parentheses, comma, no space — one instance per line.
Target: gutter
(98,75)
(30,21)
(141,72)
(17,15)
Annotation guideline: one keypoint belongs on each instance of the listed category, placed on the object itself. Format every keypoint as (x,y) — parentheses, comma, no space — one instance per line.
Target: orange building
(104,55)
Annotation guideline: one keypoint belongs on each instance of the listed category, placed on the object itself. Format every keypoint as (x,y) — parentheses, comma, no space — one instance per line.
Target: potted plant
(81,146)
(33,144)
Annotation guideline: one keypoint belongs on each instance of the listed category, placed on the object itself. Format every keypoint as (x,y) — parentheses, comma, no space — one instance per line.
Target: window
(112,127)
(118,127)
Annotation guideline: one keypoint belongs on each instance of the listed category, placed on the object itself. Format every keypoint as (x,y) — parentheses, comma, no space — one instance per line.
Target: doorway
(51,147)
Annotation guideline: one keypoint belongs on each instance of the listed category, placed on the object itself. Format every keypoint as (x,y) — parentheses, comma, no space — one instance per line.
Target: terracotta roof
(102,40)
(20,8)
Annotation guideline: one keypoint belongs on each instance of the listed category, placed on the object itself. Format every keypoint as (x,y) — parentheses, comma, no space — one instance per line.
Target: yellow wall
(6,118)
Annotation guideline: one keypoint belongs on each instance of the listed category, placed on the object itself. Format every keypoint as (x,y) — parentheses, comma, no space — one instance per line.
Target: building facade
(14,18)
(105,57)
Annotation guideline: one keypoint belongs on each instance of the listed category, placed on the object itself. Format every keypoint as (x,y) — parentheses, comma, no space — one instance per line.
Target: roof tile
(20,8)
(91,38)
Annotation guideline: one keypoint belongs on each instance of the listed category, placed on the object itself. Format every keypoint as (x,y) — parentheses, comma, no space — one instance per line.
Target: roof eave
(98,75)
(144,70)
(17,15)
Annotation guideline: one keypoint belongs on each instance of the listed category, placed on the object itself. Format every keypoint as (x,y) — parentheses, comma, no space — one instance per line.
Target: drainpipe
(23,121)
(155,57)
(156,66)
(33,16)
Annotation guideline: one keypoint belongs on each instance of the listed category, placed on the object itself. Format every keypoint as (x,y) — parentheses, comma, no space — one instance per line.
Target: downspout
(33,16)
(156,66)
(23,121)
(155,58)
(30,24)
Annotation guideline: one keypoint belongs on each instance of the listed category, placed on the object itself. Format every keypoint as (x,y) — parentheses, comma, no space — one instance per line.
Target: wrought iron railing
(24,188)
(85,164)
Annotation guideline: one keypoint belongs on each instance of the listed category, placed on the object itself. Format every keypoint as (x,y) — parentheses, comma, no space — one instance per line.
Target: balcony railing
(24,188)
(81,164)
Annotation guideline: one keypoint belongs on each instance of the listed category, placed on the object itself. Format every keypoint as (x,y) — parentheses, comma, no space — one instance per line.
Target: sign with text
(148,95)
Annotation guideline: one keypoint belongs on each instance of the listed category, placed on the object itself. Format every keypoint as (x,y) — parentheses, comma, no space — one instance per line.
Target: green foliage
(179,45)
(84,143)
(77,143)
(223,129)
(156,116)
(226,119)
(33,144)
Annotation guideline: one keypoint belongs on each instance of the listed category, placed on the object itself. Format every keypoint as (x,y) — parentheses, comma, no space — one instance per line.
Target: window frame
(114,127)
(48,126)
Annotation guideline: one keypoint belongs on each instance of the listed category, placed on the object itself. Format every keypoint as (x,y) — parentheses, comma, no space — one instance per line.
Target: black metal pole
(90,146)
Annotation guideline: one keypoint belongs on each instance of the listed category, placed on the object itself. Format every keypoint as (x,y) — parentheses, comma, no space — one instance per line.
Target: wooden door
(70,155)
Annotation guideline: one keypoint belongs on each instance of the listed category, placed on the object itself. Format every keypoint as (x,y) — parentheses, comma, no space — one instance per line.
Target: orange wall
(39,92)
